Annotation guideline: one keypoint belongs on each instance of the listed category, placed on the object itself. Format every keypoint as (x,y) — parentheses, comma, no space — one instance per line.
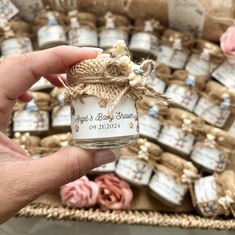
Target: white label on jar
(186,15)
(211,112)
(83,37)
(110,167)
(208,157)
(149,126)
(109,37)
(7,11)
(232,129)
(167,188)
(13,46)
(206,195)
(90,120)
(225,75)
(31,121)
(197,66)
(41,84)
(51,34)
(144,42)
(154,82)
(182,95)
(133,170)
(173,58)
(176,138)
(61,116)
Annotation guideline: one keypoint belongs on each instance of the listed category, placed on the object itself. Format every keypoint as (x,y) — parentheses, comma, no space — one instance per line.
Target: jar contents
(113,120)
(174,50)
(82,29)
(137,162)
(50,32)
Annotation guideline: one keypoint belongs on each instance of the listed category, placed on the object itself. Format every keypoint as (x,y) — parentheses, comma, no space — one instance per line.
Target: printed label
(133,170)
(41,84)
(167,188)
(90,123)
(197,66)
(16,46)
(83,37)
(186,16)
(206,195)
(209,158)
(7,11)
(110,36)
(173,58)
(154,82)
(149,126)
(61,116)
(50,34)
(232,129)
(110,167)
(144,42)
(31,121)
(175,137)
(182,95)
(211,112)
(225,75)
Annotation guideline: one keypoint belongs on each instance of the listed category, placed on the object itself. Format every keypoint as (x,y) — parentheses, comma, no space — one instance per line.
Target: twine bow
(226,202)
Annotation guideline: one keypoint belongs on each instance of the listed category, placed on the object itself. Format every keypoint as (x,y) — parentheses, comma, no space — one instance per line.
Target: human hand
(22,179)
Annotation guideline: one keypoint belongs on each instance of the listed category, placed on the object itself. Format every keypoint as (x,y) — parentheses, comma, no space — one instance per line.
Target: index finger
(19,73)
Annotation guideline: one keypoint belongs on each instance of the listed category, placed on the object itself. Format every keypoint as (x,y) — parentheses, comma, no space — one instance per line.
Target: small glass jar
(159,77)
(183,89)
(151,115)
(144,40)
(82,32)
(165,186)
(16,38)
(115,28)
(215,104)
(136,162)
(61,117)
(105,85)
(33,116)
(205,58)
(51,32)
(177,133)
(42,85)
(175,48)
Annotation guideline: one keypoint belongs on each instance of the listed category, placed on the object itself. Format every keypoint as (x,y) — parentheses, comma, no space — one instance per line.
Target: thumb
(66,165)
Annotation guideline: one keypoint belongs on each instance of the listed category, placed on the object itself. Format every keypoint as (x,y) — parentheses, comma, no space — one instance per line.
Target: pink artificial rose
(114,193)
(81,193)
(227,44)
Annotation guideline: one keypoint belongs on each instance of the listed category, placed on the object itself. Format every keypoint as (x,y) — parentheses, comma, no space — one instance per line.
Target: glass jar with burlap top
(172,178)
(102,93)
(137,162)
(145,38)
(215,194)
(82,30)
(33,116)
(175,48)
(205,58)
(216,105)
(184,89)
(15,37)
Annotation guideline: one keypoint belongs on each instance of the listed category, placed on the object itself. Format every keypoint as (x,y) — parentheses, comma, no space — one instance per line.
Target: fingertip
(26,97)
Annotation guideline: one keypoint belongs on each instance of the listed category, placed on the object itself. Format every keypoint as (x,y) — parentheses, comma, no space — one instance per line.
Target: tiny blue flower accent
(32,107)
(60,98)
(51,20)
(226,103)
(153,111)
(139,72)
(190,81)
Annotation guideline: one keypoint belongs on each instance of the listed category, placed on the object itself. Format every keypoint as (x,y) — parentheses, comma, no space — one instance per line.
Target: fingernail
(96,49)
(104,156)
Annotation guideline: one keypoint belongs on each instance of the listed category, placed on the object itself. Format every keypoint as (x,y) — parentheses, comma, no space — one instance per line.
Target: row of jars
(208,99)
(168,176)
